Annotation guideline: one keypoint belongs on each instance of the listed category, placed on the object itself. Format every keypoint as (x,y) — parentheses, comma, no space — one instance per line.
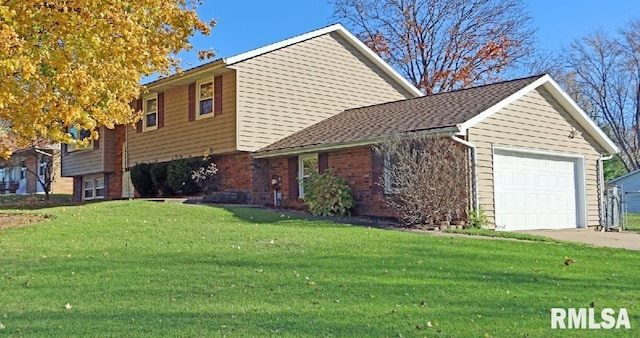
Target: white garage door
(534,191)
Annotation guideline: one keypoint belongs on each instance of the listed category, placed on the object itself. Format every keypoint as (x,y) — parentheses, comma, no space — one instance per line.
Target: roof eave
(350,144)
(338,28)
(565,101)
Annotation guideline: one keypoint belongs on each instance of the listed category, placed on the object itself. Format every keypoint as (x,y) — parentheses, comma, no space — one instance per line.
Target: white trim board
(563,99)
(580,176)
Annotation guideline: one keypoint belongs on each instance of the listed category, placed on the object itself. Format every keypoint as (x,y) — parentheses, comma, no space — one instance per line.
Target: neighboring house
(18,174)
(234,106)
(536,158)
(629,185)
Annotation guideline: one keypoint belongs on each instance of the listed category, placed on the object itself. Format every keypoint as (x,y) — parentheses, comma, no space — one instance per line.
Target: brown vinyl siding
(535,121)
(85,161)
(289,89)
(181,137)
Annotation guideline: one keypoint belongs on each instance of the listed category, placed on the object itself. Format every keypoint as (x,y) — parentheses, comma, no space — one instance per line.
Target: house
(535,156)
(629,186)
(234,106)
(28,168)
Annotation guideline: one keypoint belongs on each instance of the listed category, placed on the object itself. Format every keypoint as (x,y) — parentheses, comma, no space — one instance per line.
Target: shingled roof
(431,112)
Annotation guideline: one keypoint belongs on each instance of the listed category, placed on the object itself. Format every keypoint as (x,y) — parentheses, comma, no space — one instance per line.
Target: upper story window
(79,134)
(204,103)
(151,112)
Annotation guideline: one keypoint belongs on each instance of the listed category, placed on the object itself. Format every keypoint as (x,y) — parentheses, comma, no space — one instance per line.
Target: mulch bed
(19,220)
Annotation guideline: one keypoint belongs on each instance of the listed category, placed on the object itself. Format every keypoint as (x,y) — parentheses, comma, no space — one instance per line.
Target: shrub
(142,181)
(158,174)
(179,175)
(205,177)
(477,219)
(327,195)
(425,178)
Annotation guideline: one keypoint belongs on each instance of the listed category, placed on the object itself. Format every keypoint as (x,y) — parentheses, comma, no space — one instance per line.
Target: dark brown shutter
(96,144)
(139,123)
(293,178)
(217,95)
(160,110)
(192,102)
(323,162)
(65,149)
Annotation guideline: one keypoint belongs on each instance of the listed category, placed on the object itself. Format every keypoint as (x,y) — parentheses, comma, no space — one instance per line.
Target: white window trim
(94,185)
(84,190)
(301,159)
(386,167)
(213,90)
(153,96)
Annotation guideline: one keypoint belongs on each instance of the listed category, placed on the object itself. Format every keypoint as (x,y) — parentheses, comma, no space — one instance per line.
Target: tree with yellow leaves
(78,63)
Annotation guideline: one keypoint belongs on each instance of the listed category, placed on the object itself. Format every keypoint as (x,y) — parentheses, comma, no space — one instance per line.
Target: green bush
(142,181)
(328,195)
(477,219)
(179,175)
(158,174)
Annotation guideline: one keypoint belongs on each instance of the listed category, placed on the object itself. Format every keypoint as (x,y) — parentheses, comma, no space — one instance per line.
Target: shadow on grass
(271,216)
(36,202)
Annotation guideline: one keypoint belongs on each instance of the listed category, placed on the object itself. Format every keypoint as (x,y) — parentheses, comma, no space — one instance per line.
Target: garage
(537,191)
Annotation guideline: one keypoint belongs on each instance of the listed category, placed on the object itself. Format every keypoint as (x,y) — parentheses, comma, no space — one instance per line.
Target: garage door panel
(534,191)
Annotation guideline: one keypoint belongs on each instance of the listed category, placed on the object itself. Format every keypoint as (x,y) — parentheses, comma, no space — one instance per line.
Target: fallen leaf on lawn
(429,324)
(592,304)
(422,304)
(67,306)
(568,261)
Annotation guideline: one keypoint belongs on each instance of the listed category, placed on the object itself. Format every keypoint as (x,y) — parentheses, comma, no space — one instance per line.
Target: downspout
(602,187)
(474,171)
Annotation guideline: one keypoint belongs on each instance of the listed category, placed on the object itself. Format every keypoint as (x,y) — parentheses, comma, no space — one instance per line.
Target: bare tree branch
(442,45)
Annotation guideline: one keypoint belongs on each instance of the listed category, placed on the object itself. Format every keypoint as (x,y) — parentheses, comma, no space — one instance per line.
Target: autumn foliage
(78,63)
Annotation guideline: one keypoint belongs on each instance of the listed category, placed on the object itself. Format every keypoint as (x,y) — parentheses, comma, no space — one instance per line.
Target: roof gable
(431,113)
(191,74)
(562,98)
(454,111)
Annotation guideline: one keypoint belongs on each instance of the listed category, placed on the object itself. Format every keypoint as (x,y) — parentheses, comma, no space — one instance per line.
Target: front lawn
(139,268)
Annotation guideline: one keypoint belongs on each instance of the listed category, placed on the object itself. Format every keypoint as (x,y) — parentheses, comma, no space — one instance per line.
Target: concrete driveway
(624,240)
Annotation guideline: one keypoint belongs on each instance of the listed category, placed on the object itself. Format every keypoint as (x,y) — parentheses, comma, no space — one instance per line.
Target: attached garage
(538,190)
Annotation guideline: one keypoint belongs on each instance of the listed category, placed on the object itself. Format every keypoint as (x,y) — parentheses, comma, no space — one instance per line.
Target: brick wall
(115,178)
(359,166)
(362,169)
(234,171)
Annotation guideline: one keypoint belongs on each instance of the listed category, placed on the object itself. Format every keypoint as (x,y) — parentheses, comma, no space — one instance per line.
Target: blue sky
(245,25)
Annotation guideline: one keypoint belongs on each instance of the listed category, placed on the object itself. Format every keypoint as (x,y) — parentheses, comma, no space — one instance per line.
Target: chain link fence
(622,209)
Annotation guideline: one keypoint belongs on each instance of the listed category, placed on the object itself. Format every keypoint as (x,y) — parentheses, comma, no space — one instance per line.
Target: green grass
(633,222)
(502,234)
(149,269)
(32,202)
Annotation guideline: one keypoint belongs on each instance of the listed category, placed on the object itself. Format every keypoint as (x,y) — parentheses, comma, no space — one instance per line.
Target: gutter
(349,144)
(474,171)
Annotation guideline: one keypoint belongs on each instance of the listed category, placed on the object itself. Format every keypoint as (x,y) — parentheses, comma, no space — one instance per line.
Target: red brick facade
(234,171)
(115,178)
(361,167)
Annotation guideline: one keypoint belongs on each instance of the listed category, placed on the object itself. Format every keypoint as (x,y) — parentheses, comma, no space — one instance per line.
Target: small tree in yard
(425,178)
(45,157)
